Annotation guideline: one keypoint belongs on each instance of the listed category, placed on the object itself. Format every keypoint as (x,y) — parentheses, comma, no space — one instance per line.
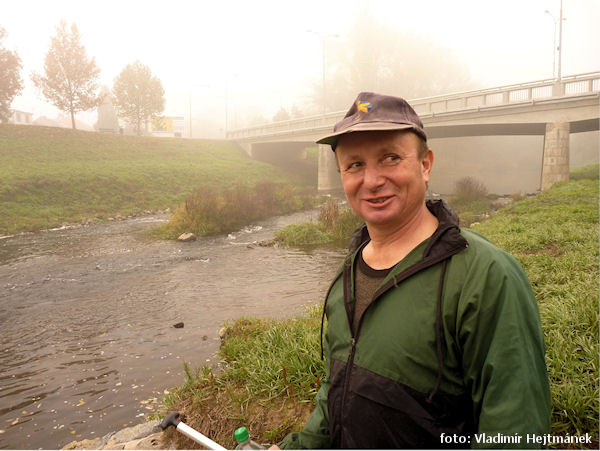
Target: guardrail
(572,85)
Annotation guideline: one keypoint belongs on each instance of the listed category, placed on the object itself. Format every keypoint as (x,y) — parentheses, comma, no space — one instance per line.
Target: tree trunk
(73,120)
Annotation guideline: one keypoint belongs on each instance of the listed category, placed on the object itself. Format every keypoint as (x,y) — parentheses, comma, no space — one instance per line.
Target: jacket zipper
(410,271)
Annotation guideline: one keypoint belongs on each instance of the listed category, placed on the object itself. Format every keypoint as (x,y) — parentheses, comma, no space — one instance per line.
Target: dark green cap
(241,434)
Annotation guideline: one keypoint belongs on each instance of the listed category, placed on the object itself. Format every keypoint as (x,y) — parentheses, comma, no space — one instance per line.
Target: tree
(382,58)
(281,115)
(138,95)
(70,79)
(11,83)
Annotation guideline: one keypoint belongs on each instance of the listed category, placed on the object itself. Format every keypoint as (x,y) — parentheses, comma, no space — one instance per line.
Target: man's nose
(374,178)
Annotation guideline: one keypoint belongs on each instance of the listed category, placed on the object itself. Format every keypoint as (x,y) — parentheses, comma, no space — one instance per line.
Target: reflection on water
(87,343)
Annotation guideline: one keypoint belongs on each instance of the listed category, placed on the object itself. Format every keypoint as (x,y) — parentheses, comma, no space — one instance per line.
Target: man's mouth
(378,200)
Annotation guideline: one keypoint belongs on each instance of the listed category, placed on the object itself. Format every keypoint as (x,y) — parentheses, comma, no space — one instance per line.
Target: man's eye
(388,159)
(353,166)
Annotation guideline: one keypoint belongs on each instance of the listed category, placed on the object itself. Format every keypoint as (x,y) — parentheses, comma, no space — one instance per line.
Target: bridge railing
(573,85)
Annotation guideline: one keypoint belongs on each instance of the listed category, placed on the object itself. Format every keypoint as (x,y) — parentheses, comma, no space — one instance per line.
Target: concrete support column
(555,167)
(329,177)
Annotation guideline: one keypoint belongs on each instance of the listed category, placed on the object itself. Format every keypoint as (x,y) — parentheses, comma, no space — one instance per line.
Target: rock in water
(186,237)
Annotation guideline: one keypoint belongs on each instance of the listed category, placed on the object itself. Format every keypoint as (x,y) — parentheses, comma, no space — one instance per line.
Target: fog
(245,61)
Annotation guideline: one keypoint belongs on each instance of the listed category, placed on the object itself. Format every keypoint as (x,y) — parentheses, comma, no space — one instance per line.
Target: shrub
(469,188)
(210,211)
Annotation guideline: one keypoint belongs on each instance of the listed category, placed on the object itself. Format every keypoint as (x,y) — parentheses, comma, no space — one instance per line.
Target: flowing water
(87,343)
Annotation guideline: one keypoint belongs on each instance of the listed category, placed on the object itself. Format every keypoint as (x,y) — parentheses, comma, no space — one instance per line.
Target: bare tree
(138,95)
(11,83)
(70,77)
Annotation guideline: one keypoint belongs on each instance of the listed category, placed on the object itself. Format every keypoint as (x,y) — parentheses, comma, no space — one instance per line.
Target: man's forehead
(377,140)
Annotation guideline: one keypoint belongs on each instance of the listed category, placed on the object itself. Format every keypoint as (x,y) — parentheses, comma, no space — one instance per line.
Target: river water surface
(87,343)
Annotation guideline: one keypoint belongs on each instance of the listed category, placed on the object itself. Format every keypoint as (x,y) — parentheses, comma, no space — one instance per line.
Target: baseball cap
(376,112)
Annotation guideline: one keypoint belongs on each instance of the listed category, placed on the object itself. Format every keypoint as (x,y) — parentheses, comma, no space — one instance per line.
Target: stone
(133,433)
(186,237)
(178,326)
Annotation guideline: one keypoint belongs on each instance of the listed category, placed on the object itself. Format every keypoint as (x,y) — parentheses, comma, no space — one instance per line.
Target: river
(87,313)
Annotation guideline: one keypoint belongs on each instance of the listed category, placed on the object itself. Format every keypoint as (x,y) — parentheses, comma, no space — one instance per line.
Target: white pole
(198,437)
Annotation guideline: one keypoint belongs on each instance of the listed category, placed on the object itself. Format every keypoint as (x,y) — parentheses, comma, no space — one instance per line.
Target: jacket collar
(446,237)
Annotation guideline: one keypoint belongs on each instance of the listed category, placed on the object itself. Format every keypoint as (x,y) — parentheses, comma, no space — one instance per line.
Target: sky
(229,59)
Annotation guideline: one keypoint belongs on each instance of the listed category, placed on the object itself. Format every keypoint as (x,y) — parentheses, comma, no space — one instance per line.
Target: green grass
(49,176)
(555,237)
(590,172)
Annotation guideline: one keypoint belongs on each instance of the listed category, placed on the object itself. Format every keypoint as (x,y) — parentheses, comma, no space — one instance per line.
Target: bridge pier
(329,177)
(555,164)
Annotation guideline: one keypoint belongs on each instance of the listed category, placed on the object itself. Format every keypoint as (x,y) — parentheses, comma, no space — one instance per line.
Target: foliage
(49,175)
(138,95)
(70,78)
(211,210)
(11,83)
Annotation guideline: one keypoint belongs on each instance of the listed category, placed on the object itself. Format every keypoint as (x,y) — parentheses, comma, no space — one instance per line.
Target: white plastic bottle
(243,438)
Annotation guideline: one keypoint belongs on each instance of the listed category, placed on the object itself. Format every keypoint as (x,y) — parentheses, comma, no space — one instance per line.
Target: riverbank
(51,176)
(554,235)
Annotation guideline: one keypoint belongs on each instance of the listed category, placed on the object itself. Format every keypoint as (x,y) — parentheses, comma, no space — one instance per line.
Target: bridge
(552,108)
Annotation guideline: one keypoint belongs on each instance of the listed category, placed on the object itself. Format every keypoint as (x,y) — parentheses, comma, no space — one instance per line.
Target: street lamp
(323,38)
(559,48)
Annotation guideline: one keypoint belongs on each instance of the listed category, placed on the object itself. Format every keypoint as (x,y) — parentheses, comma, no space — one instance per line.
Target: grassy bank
(49,176)
(273,368)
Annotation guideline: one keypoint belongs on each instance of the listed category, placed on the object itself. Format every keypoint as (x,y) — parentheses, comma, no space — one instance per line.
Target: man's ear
(427,164)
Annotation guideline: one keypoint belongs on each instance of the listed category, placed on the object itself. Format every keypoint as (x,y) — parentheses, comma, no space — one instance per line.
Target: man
(433,337)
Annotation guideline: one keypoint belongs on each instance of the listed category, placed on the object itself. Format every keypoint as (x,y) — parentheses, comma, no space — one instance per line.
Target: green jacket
(451,344)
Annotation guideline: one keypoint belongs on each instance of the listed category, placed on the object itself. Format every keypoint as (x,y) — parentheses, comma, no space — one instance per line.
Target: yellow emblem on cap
(363,106)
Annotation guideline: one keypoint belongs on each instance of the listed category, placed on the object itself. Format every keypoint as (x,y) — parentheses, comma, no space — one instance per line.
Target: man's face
(383,178)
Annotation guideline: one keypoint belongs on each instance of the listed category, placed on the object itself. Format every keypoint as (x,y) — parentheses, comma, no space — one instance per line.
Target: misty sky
(261,52)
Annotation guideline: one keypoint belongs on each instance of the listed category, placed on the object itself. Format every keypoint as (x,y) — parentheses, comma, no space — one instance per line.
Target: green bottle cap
(241,434)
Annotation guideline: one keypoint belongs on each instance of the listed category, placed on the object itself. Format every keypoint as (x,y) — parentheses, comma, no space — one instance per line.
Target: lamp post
(559,47)
(323,38)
